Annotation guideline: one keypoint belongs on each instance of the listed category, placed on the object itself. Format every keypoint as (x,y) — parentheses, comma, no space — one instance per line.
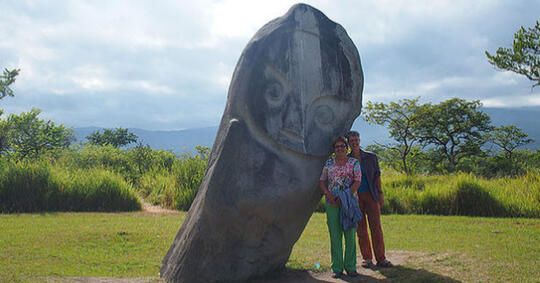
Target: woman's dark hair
(340,139)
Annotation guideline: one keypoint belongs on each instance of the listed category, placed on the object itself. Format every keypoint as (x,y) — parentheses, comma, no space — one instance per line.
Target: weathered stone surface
(296,86)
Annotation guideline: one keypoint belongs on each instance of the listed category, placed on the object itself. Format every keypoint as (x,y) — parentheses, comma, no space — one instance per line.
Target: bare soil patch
(154,209)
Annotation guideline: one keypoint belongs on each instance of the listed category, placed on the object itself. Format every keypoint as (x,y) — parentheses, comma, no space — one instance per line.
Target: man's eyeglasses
(340,146)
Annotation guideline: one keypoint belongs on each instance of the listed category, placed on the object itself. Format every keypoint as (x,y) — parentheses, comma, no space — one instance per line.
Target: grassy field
(37,246)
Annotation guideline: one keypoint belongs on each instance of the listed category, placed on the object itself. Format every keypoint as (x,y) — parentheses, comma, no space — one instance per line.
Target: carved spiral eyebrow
(326,110)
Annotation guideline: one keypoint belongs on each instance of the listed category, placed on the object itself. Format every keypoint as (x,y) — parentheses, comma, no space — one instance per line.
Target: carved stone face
(302,84)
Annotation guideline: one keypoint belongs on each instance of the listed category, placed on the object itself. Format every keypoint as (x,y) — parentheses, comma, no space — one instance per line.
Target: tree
(29,136)
(6,79)
(401,119)
(142,155)
(455,127)
(203,151)
(508,138)
(117,137)
(524,56)
(4,145)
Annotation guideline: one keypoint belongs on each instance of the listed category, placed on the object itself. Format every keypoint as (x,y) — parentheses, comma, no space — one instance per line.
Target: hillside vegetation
(460,165)
(105,178)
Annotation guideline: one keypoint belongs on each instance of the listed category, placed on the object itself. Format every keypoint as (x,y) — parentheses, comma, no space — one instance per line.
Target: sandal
(367,263)
(384,263)
(337,274)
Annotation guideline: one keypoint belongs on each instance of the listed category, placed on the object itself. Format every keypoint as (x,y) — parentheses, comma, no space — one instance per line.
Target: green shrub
(105,157)
(96,190)
(157,187)
(24,187)
(474,200)
(40,186)
(462,194)
(176,187)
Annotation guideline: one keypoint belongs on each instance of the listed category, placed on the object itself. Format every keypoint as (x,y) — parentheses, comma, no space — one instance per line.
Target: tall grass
(175,188)
(40,186)
(100,178)
(462,194)
(106,178)
(459,194)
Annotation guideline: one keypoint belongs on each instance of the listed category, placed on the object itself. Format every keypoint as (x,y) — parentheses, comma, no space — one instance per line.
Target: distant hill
(526,118)
(178,141)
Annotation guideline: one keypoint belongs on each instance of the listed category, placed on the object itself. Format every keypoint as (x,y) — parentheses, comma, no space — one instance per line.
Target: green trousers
(336,243)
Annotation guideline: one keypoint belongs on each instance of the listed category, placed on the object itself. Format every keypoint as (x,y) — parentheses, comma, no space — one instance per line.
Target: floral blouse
(341,177)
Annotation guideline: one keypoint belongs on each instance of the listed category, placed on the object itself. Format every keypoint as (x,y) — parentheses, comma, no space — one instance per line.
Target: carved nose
(293,123)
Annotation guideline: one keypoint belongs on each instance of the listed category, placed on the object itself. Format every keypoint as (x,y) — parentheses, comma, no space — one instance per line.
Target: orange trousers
(369,207)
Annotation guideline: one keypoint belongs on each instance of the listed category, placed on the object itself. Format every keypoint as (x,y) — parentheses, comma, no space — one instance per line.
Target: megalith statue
(297,85)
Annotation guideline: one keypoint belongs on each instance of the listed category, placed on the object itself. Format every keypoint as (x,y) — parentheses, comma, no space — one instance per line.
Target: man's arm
(379,186)
(379,190)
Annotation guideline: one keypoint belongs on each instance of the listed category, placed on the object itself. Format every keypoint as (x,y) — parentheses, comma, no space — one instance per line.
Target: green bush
(157,187)
(462,194)
(189,172)
(474,200)
(40,186)
(95,156)
(96,190)
(104,178)
(175,188)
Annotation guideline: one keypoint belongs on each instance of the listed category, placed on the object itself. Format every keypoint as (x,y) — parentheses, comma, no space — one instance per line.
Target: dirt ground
(154,209)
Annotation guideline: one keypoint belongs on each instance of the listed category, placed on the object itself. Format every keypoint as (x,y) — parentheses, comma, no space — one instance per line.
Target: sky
(166,65)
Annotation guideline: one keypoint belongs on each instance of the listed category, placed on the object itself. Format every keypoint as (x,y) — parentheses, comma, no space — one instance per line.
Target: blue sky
(166,65)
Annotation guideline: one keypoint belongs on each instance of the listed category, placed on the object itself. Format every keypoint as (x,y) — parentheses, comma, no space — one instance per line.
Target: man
(370,200)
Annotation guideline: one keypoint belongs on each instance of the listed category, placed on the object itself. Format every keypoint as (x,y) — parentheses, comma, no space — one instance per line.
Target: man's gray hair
(352,134)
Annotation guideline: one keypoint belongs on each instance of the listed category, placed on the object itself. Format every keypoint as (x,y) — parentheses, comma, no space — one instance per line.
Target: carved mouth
(292,135)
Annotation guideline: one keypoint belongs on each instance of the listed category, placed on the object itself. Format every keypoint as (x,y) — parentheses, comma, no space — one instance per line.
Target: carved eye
(274,93)
(324,115)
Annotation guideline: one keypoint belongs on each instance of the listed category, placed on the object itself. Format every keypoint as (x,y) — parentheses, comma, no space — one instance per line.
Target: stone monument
(297,85)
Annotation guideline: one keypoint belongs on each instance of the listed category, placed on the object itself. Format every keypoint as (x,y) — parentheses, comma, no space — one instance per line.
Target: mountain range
(179,141)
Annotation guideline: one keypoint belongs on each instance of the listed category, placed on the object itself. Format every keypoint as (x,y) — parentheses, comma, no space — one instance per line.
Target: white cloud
(106,62)
(513,100)
(242,18)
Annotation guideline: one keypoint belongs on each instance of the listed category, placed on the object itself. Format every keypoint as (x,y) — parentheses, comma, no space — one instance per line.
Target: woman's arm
(323,185)
(354,187)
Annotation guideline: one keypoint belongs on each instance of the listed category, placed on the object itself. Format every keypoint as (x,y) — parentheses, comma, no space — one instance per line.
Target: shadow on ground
(393,274)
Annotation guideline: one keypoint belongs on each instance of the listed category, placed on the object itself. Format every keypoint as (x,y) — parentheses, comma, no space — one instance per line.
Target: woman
(340,175)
